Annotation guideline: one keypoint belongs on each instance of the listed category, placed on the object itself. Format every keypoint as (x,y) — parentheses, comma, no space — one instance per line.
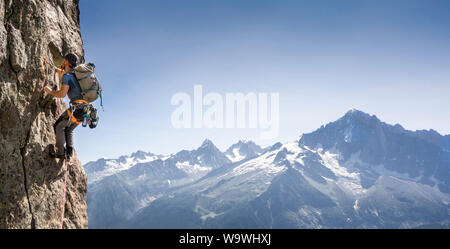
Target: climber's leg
(69,138)
(60,127)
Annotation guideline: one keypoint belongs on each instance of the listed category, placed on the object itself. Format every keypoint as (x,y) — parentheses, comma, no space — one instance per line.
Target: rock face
(34,34)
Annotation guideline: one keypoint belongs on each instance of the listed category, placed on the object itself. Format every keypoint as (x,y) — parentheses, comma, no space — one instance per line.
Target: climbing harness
(74,105)
(88,110)
(65,165)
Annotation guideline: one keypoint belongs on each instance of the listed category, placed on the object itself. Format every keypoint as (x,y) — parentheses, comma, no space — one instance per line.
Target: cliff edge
(34,34)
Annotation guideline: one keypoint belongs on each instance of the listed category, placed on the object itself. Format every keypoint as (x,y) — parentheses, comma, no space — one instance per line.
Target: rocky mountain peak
(207,144)
(209,155)
(355,127)
(354,116)
(243,149)
(140,154)
(379,143)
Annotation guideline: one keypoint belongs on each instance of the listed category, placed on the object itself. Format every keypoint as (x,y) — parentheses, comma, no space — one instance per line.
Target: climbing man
(70,118)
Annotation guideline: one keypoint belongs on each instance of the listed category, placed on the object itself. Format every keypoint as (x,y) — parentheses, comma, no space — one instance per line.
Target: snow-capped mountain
(105,167)
(131,182)
(364,138)
(356,172)
(207,155)
(243,150)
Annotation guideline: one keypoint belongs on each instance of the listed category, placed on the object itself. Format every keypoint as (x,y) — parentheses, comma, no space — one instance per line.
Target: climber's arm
(64,88)
(58,94)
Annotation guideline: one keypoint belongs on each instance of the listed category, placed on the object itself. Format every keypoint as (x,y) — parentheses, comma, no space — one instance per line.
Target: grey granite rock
(34,34)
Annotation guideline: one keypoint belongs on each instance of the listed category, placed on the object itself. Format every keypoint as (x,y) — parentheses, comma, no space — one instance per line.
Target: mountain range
(355,172)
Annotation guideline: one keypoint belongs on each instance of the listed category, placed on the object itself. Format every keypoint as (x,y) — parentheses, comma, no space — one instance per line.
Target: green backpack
(89,84)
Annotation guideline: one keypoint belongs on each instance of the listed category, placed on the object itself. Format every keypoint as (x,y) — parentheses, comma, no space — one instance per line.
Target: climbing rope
(64,194)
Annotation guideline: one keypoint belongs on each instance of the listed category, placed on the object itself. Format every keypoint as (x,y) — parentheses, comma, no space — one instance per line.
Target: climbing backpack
(89,84)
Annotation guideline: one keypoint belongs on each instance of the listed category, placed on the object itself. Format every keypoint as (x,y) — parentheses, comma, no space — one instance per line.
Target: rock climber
(70,118)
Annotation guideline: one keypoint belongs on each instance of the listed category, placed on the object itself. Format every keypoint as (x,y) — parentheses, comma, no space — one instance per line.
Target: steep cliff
(34,34)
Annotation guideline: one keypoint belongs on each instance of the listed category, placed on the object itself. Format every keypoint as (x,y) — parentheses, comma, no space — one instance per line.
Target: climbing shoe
(53,154)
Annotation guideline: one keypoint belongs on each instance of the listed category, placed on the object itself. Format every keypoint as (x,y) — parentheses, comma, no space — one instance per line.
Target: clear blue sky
(389,58)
